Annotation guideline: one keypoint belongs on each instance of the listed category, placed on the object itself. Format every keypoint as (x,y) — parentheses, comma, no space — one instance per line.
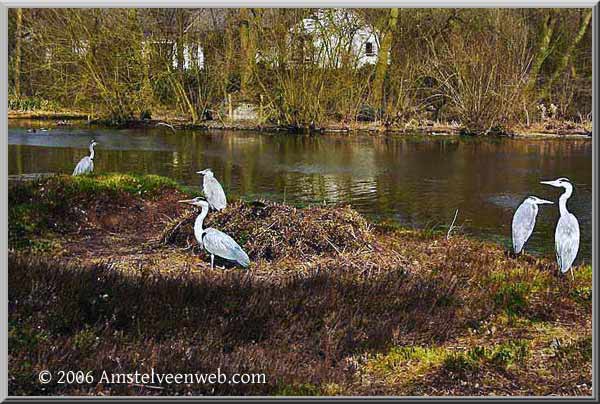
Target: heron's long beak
(186,201)
(200,172)
(543,202)
(553,183)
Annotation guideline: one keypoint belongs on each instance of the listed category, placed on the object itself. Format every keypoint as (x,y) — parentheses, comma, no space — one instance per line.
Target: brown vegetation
(485,69)
(330,305)
(271,231)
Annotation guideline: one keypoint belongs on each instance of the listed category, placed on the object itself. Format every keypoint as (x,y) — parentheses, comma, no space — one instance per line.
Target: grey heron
(213,191)
(215,241)
(86,164)
(566,236)
(524,221)
(167,125)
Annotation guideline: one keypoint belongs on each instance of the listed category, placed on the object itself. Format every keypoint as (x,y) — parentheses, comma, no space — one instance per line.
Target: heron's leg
(212,261)
(572,275)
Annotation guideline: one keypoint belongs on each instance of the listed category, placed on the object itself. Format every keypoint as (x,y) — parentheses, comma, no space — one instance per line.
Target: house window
(369,51)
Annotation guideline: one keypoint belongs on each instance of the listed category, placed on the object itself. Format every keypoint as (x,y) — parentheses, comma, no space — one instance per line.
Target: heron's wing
(78,168)
(567,241)
(522,225)
(84,166)
(214,193)
(218,243)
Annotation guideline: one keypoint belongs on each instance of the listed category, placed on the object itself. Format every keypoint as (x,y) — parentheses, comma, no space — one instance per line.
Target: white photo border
(6,4)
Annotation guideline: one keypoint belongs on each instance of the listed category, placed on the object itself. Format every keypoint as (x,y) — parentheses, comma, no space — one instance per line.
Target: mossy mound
(64,204)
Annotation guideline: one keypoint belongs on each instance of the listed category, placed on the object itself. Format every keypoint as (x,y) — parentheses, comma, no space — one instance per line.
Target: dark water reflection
(416,181)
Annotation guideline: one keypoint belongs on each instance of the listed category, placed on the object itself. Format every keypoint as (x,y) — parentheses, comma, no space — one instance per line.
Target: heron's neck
(562,201)
(198,230)
(92,151)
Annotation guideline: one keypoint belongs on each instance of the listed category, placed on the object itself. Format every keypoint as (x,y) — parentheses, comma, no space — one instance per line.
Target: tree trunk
(229,53)
(546,32)
(566,56)
(183,98)
(382,59)
(180,43)
(247,51)
(17,64)
(145,60)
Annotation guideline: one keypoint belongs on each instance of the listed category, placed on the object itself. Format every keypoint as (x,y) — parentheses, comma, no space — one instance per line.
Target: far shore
(558,129)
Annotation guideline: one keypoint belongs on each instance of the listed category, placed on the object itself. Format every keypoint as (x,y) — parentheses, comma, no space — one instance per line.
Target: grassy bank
(104,274)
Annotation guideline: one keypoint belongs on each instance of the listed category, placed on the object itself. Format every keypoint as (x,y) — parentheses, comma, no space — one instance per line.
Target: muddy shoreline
(564,130)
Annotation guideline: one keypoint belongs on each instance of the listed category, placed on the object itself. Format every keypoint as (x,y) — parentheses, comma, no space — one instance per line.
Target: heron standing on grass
(566,236)
(524,221)
(86,164)
(213,191)
(215,241)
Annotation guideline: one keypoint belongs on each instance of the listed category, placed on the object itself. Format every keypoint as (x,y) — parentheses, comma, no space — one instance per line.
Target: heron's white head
(197,201)
(559,183)
(93,143)
(538,201)
(207,171)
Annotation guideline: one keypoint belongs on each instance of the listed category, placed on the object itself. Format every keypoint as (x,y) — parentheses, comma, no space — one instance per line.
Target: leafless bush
(482,75)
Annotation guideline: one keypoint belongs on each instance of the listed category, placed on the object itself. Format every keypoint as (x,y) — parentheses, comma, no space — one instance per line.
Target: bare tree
(17,56)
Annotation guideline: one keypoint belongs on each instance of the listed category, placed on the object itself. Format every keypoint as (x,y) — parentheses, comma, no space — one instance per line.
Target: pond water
(416,181)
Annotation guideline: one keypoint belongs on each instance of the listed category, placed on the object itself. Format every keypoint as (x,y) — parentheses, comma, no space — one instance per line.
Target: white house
(193,53)
(333,37)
